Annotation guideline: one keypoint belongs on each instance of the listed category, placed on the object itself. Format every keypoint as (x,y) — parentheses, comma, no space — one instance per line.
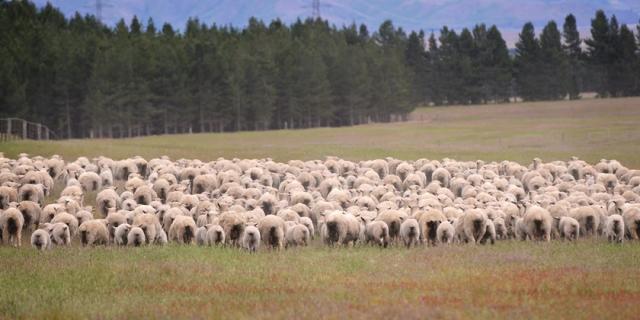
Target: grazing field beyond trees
(590,129)
(589,278)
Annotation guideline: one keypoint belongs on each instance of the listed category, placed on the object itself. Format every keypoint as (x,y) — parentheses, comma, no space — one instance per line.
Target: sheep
(90,181)
(272,229)
(31,213)
(501,228)
(60,233)
(473,226)
(490,233)
(84,215)
(393,219)
(377,232)
(182,230)
(631,216)
(233,225)
(569,228)
(150,224)
(120,234)
(614,228)
(136,237)
(106,200)
(40,240)
(429,221)
(74,192)
(12,222)
(442,175)
(94,232)
(106,178)
(7,195)
(306,221)
(201,236)
(537,223)
(31,192)
(297,235)
(70,220)
(520,231)
(588,218)
(215,235)
(335,228)
(445,232)
(251,238)
(144,195)
(410,232)
(161,238)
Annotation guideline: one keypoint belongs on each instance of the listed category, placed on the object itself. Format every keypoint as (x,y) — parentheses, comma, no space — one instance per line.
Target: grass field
(588,279)
(591,129)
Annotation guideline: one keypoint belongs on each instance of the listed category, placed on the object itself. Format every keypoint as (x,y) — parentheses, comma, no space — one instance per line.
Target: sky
(427,15)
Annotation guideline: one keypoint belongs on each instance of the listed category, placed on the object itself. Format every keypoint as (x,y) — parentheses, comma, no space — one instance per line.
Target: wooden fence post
(24,129)
(39,126)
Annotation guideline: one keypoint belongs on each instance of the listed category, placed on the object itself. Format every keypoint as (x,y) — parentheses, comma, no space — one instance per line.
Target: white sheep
(490,233)
(272,229)
(410,232)
(569,228)
(251,238)
(40,240)
(106,200)
(474,225)
(297,235)
(120,234)
(59,233)
(31,213)
(12,221)
(537,223)
(215,235)
(631,216)
(377,232)
(94,232)
(588,219)
(182,230)
(307,222)
(614,228)
(70,220)
(201,236)
(445,232)
(90,181)
(136,237)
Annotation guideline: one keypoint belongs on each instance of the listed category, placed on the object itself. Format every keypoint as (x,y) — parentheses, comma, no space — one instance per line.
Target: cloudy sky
(508,15)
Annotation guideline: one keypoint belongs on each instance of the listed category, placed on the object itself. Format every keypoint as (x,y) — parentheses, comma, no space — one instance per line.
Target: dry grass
(589,279)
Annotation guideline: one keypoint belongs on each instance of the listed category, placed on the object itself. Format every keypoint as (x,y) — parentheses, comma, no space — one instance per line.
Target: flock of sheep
(253,203)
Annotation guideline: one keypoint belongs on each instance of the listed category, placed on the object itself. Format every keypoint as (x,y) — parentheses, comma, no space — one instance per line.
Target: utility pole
(315,9)
(99,10)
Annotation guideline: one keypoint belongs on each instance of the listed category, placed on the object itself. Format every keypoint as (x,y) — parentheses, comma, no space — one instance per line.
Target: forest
(84,79)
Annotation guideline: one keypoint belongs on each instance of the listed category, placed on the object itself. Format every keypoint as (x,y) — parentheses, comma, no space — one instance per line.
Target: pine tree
(527,64)
(599,52)
(573,51)
(626,66)
(497,66)
(553,63)
(416,61)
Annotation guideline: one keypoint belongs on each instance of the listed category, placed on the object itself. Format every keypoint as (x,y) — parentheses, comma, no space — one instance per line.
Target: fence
(15,129)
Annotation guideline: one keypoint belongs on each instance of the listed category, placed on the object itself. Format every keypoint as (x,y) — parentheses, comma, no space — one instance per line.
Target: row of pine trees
(85,79)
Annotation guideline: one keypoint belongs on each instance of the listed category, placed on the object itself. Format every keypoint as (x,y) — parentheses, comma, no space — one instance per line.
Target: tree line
(85,79)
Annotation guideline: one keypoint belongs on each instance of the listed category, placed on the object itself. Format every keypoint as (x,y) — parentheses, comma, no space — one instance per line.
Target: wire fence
(17,129)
